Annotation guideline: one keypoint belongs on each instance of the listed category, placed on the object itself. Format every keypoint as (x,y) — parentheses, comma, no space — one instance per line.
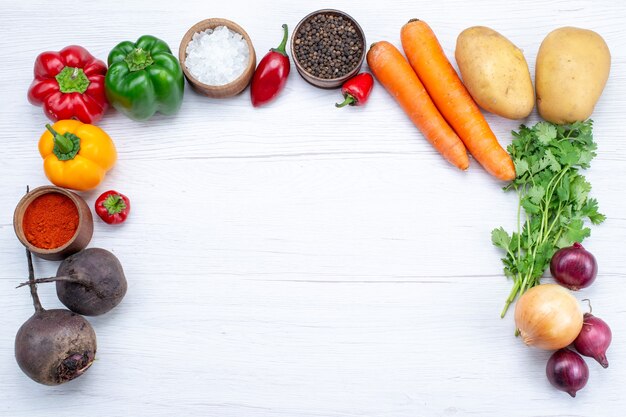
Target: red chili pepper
(112,207)
(271,74)
(357,90)
(70,85)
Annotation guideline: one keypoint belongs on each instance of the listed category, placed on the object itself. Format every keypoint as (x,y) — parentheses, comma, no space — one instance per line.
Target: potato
(495,72)
(572,68)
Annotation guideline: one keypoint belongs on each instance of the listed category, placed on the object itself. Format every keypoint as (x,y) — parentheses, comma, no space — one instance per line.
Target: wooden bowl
(218,91)
(327,82)
(81,237)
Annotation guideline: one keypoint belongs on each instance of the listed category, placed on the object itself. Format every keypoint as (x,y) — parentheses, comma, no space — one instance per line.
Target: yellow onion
(548,316)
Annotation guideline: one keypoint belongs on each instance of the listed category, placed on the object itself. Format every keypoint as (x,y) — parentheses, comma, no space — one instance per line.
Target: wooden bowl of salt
(53,223)
(214,60)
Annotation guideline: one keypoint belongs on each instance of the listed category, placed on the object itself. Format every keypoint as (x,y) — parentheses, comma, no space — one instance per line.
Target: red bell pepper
(112,207)
(70,85)
(271,74)
(357,90)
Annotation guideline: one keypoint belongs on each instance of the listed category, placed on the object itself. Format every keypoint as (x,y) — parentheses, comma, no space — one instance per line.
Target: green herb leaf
(569,155)
(585,158)
(515,242)
(536,194)
(521,167)
(549,160)
(545,132)
(590,210)
(580,189)
(563,189)
(542,258)
(574,232)
(529,206)
(500,238)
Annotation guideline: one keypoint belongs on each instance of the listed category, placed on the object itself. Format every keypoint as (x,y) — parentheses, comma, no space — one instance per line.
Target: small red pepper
(70,85)
(271,74)
(112,207)
(357,90)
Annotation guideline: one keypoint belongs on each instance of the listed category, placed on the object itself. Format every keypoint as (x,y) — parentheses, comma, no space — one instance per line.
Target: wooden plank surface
(298,260)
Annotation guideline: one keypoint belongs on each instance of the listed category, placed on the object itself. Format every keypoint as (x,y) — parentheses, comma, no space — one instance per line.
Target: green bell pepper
(143,78)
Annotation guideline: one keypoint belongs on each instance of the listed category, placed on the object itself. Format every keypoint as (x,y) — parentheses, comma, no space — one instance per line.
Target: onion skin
(574,267)
(567,371)
(548,316)
(594,339)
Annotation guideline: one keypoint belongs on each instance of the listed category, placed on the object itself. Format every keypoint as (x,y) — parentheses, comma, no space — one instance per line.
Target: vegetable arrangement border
(542,165)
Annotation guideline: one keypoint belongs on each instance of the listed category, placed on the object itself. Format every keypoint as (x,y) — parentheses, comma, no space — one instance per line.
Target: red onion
(567,371)
(574,267)
(594,339)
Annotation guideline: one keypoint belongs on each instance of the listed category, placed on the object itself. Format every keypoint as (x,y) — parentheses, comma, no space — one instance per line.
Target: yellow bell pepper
(76,155)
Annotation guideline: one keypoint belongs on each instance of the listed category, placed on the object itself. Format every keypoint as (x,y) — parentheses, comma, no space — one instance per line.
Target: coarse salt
(217,56)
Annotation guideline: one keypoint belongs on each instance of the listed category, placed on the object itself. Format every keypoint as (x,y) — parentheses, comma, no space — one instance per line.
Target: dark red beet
(55,346)
(90,282)
(96,282)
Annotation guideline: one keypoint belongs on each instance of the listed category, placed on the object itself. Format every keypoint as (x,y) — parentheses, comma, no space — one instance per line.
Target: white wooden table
(299,260)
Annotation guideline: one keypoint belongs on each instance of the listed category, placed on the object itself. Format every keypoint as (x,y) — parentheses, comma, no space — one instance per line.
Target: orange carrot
(396,75)
(453,100)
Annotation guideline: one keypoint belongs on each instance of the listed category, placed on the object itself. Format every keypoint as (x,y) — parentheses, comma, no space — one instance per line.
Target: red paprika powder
(50,221)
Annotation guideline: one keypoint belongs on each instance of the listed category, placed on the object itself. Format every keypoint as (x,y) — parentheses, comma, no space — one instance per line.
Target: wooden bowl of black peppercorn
(328,48)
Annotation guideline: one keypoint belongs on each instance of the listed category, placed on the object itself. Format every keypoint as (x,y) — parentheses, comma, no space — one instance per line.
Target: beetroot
(90,282)
(99,282)
(53,346)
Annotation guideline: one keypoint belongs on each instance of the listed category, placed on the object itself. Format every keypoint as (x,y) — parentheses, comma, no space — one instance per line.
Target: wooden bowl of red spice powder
(53,223)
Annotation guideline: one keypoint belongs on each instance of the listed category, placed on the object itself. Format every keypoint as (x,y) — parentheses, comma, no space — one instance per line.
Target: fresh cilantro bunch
(553,196)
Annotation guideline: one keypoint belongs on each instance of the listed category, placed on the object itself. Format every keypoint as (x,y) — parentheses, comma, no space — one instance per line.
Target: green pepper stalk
(72,80)
(138,59)
(65,146)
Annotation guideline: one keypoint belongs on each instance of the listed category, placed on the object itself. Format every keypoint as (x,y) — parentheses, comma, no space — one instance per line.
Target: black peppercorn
(328,46)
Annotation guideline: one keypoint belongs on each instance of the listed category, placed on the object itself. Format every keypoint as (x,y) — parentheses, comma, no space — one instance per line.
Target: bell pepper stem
(51,130)
(114,204)
(72,80)
(349,101)
(138,59)
(64,144)
(283,43)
